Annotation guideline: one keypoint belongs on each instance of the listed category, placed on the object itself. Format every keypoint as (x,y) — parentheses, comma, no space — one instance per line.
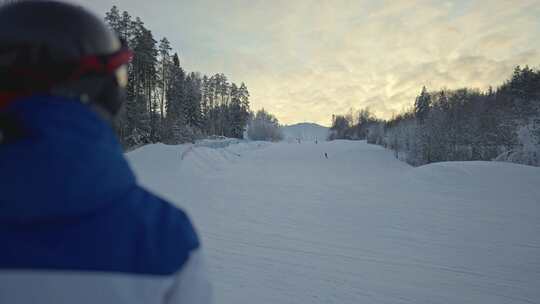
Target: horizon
(304,122)
(305,61)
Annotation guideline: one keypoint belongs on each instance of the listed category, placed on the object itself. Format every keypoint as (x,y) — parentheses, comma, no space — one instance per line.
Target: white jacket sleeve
(191,284)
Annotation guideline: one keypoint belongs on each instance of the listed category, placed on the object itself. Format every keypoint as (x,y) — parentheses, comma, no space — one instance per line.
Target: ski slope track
(282,224)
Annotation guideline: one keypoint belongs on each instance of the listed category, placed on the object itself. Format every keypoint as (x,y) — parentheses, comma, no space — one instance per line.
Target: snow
(282,224)
(305,131)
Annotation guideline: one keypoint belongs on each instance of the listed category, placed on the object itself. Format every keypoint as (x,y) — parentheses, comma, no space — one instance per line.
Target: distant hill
(305,131)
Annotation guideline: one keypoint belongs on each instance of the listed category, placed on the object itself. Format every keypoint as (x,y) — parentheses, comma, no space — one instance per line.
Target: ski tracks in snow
(282,224)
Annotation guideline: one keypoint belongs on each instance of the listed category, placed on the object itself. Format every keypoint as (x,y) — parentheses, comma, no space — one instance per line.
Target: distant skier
(326,155)
(75,226)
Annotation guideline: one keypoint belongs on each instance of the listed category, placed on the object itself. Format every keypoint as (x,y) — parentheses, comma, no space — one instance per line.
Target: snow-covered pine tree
(192,109)
(422,105)
(264,126)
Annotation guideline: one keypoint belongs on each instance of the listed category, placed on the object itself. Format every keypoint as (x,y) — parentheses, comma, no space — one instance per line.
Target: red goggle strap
(47,77)
(103,64)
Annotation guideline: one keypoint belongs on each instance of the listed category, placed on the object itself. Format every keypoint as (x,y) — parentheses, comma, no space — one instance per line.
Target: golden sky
(305,60)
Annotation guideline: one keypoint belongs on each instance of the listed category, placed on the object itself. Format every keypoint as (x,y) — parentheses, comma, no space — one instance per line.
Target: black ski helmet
(61,49)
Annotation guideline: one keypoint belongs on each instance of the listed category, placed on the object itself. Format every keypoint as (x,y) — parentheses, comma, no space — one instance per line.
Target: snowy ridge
(216,144)
(282,224)
(305,131)
(476,174)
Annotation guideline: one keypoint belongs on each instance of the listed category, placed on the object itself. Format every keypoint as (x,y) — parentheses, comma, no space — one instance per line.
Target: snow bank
(217,144)
(476,174)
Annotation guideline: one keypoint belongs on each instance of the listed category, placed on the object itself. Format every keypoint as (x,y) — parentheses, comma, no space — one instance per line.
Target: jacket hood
(69,162)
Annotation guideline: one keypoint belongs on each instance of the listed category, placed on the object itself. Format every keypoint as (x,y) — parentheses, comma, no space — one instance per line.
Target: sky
(304,60)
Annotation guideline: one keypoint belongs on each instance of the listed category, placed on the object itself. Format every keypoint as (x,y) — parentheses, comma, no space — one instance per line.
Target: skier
(326,155)
(75,227)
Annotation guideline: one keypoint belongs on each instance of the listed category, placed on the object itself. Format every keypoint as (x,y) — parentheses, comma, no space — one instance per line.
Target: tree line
(264,126)
(167,104)
(458,125)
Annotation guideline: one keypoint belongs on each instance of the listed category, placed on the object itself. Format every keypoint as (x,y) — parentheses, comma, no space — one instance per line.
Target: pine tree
(164,73)
(113,19)
(175,95)
(145,72)
(192,107)
(422,105)
(205,106)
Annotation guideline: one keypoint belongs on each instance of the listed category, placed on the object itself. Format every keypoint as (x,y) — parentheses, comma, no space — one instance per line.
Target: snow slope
(282,224)
(305,131)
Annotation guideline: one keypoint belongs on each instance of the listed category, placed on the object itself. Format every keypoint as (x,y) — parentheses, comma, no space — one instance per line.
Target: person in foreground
(75,227)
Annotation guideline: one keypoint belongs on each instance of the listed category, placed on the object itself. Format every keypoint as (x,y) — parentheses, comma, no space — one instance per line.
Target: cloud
(307,59)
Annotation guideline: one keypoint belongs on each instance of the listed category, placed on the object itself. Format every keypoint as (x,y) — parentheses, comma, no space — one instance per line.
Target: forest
(458,125)
(168,104)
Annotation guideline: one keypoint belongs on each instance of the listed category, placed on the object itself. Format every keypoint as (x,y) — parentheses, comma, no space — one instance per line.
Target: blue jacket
(74,225)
